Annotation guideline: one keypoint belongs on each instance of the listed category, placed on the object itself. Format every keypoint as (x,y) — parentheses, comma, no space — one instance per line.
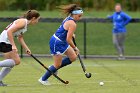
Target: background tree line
(130,5)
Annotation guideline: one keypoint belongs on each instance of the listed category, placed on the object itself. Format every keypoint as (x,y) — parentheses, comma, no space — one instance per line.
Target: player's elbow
(9,33)
(20,38)
(68,40)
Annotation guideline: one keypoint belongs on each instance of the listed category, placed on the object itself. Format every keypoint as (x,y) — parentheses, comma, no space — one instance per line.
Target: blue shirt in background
(120,20)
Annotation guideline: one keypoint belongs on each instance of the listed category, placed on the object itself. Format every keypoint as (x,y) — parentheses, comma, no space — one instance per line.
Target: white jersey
(4,36)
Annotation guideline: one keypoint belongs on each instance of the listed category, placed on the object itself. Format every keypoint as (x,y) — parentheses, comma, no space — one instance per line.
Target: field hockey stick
(65,82)
(88,75)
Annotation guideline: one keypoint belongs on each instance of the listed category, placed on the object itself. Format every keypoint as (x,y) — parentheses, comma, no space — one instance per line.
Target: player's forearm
(22,42)
(70,38)
(71,43)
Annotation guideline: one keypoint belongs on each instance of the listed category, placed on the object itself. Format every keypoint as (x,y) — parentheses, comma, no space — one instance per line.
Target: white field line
(96,65)
(59,83)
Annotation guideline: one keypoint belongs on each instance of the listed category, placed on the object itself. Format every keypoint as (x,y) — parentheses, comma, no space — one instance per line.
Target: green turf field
(56,13)
(99,38)
(118,76)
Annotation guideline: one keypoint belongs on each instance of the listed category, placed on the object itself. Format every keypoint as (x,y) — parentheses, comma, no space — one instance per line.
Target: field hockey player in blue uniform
(61,42)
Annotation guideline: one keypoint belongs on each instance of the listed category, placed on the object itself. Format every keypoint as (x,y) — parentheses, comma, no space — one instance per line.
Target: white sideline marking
(96,65)
(59,83)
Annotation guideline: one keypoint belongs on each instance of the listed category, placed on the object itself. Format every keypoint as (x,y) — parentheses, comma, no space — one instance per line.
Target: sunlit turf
(118,76)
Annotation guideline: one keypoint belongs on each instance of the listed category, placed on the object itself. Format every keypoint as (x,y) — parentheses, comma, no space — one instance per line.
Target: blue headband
(77,12)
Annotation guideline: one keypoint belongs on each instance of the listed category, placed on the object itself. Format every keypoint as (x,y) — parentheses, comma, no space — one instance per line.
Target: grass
(99,38)
(118,76)
(55,13)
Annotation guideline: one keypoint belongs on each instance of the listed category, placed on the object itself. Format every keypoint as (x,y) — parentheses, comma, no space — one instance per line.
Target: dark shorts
(5,47)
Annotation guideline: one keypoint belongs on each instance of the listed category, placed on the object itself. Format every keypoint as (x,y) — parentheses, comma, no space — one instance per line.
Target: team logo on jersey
(58,53)
(119,16)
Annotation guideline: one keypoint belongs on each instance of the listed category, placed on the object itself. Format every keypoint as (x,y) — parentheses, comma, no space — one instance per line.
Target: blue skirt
(58,47)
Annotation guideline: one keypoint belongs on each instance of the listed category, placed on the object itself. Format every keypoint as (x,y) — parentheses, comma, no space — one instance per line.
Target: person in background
(120,20)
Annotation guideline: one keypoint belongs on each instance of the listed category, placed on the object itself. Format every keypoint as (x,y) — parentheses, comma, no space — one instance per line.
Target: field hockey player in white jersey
(7,44)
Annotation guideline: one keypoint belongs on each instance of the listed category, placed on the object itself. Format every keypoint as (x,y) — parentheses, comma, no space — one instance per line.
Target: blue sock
(48,74)
(66,61)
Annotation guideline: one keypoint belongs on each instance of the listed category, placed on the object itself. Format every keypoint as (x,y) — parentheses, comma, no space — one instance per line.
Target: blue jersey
(58,43)
(61,33)
(120,20)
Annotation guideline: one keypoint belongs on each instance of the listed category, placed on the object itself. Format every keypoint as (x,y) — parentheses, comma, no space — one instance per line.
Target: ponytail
(30,14)
(68,9)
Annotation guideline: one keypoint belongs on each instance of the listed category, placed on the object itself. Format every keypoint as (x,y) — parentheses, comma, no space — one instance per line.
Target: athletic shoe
(121,58)
(2,84)
(44,82)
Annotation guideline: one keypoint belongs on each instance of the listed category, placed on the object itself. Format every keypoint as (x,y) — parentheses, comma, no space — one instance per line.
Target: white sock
(7,63)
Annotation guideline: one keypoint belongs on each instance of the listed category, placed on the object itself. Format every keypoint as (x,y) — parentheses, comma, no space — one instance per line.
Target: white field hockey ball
(101,83)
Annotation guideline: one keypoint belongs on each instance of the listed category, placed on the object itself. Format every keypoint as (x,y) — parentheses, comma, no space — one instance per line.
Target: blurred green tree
(130,5)
(4,4)
(28,4)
